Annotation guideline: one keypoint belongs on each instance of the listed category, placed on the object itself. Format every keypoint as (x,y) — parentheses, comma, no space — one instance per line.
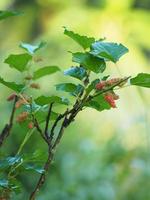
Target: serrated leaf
(6,13)
(142,79)
(18,61)
(99,103)
(70,87)
(76,72)
(108,50)
(89,62)
(45,71)
(12,85)
(32,48)
(43,100)
(83,41)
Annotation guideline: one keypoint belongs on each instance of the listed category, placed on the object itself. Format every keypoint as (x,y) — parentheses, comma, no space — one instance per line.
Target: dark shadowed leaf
(89,61)
(45,71)
(99,103)
(76,72)
(43,100)
(19,61)
(70,88)
(32,48)
(108,50)
(6,13)
(83,41)
(141,79)
(12,85)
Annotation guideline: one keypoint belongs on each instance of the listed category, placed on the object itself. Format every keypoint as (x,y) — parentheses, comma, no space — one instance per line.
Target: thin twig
(47,120)
(6,130)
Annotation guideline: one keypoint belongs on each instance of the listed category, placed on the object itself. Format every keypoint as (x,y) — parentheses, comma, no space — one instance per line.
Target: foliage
(99,94)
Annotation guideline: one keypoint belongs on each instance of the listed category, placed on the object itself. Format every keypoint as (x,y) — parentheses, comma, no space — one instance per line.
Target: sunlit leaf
(33,167)
(9,161)
(76,72)
(141,79)
(45,71)
(43,100)
(83,41)
(32,48)
(108,50)
(18,61)
(12,85)
(89,61)
(4,183)
(70,88)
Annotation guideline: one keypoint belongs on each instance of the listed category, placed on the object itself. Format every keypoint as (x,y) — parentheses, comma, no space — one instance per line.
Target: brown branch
(42,178)
(47,120)
(6,130)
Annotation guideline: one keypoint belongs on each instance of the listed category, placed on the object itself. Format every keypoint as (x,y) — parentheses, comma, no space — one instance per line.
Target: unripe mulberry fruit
(35,85)
(11,97)
(19,103)
(110,100)
(100,85)
(29,77)
(22,117)
(30,125)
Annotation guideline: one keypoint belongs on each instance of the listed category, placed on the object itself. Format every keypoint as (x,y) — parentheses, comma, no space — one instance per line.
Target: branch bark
(6,130)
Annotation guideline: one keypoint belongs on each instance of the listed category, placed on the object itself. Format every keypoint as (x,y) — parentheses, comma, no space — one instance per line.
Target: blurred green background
(103,156)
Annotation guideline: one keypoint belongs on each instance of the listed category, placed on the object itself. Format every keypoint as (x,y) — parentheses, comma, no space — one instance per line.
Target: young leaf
(12,85)
(98,103)
(45,71)
(108,50)
(76,72)
(83,41)
(141,79)
(70,87)
(32,48)
(5,14)
(89,61)
(43,100)
(19,61)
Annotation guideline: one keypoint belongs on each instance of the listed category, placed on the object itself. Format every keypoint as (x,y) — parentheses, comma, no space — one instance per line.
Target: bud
(30,125)
(22,117)
(11,97)
(35,85)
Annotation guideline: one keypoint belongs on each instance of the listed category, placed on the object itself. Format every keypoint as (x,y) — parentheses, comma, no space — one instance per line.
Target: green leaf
(108,50)
(43,100)
(89,61)
(76,72)
(9,161)
(141,79)
(45,71)
(32,48)
(19,61)
(33,167)
(12,85)
(99,103)
(83,41)
(5,14)
(70,87)
(4,183)
(41,116)
(92,85)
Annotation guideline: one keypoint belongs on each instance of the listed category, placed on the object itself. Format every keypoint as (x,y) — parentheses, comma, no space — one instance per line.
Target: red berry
(110,100)
(11,97)
(30,125)
(100,85)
